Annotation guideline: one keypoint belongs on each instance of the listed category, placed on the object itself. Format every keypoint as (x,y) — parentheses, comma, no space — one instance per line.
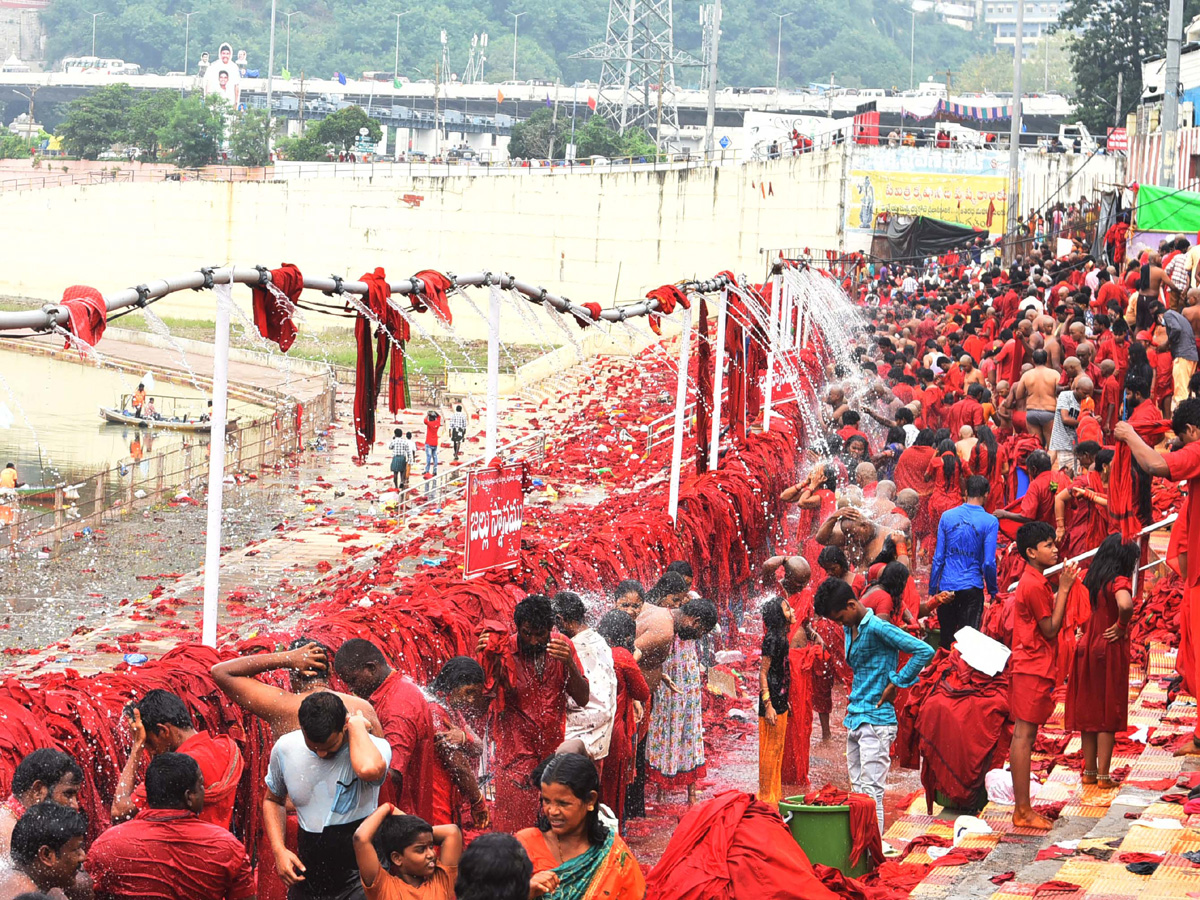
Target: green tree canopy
(248,138)
(148,115)
(341,129)
(96,121)
(194,131)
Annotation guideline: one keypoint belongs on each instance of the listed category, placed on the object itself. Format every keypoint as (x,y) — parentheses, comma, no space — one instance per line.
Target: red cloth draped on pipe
(391,339)
(668,297)
(954,759)
(732,847)
(704,389)
(367,376)
(864,824)
(735,357)
(434,295)
(86,314)
(1122,496)
(272,315)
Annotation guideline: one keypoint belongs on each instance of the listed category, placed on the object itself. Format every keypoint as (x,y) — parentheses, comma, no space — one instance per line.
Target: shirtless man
(308,665)
(861,539)
(1158,279)
(1002,417)
(836,398)
(971,375)
(657,629)
(1191,311)
(966,443)
(1038,389)
(1053,347)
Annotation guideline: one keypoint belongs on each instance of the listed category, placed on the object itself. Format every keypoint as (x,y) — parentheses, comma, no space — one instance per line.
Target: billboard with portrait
(223,77)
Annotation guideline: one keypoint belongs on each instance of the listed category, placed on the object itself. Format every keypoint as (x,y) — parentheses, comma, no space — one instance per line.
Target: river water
(57,433)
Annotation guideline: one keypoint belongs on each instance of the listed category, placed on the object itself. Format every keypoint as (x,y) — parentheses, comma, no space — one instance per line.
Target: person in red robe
(1081,508)
(633,696)
(817,500)
(989,460)
(529,676)
(1011,357)
(1098,683)
(1129,485)
(1180,465)
(457,701)
(1038,503)
(1037,619)
(161,723)
(1108,409)
(168,851)
(909,474)
(943,473)
(804,656)
(407,723)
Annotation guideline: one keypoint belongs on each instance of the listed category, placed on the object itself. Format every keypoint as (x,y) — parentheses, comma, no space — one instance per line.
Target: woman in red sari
(942,473)
(990,461)
(1081,508)
(910,474)
(1098,685)
(618,629)
(817,501)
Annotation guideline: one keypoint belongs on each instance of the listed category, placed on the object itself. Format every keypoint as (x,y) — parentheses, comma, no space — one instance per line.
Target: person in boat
(151,412)
(8,478)
(139,400)
(206,416)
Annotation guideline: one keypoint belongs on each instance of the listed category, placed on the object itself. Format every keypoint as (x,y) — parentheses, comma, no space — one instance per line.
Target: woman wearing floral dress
(675,745)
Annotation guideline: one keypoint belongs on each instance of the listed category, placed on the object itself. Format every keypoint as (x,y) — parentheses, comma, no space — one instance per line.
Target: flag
(397,83)
(341,78)
(285,74)
(499,96)
(548,103)
(592,103)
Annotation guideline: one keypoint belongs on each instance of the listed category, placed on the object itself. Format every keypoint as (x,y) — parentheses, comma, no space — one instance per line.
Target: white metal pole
(796,300)
(680,403)
(216,463)
(773,327)
(493,377)
(1014,139)
(718,378)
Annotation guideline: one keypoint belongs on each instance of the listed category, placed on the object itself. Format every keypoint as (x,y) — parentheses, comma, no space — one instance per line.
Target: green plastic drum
(823,833)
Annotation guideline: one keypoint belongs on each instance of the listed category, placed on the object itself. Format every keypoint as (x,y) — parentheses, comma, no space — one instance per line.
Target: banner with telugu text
(495,510)
(978,201)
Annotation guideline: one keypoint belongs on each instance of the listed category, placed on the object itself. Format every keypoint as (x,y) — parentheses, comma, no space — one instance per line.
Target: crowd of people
(545,739)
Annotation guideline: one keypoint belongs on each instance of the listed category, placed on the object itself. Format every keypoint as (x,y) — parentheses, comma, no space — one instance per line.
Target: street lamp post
(287,56)
(516,18)
(399,16)
(912,47)
(779,52)
(95,16)
(187,33)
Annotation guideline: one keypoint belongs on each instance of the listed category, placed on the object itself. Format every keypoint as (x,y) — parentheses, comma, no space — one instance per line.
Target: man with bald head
(1066,418)
(970,373)
(1036,390)
(1076,335)
(866,477)
(1053,347)
(1086,353)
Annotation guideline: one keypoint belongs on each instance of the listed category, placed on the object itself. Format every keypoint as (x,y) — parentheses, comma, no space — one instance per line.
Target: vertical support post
(718,386)
(493,373)
(685,338)
(1170,105)
(216,462)
(1014,136)
(773,329)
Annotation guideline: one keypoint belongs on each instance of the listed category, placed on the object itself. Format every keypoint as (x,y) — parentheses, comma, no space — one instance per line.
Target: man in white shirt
(458,429)
(331,769)
(402,454)
(591,724)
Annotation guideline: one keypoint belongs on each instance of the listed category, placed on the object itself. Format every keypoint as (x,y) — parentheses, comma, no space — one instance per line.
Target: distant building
(963,14)
(1000,17)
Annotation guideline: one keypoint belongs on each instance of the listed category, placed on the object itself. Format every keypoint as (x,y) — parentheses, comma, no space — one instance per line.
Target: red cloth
(447,798)
(529,714)
(367,375)
(1098,686)
(668,297)
(431,431)
(1087,523)
(618,765)
(434,295)
(733,847)
(704,388)
(1038,502)
(87,314)
(1123,497)
(221,765)
(1034,661)
(945,497)
(1183,465)
(408,726)
(864,822)
(966,411)
(1009,361)
(169,854)
(273,316)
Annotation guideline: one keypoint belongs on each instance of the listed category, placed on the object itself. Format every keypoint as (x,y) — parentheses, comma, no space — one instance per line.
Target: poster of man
(223,77)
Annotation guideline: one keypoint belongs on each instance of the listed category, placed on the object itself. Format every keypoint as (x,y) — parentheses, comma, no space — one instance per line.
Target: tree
(303,148)
(148,115)
(16,146)
(342,128)
(248,138)
(1111,36)
(195,131)
(530,139)
(96,121)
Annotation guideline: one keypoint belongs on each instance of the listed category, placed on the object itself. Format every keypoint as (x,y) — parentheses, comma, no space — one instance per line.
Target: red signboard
(1118,139)
(495,508)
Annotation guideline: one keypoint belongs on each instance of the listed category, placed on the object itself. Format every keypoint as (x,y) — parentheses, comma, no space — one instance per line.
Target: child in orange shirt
(409,845)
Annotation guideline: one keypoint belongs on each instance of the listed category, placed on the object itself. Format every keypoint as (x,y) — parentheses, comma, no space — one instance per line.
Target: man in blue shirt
(873,648)
(965,558)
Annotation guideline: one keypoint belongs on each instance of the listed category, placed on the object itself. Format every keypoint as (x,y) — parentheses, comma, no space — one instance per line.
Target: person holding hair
(873,649)
(1098,684)
(1038,614)
(415,869)
(496,867)
(457,699)
(591,861)
(774,685)
(592,724)
(458,429)
(47,851)
(166,852)
(619,631)
(43,775)
(161,723)
(331,769)
(965,561)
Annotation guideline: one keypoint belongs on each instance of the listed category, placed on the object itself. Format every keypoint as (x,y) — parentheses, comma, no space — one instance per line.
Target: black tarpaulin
(920,236)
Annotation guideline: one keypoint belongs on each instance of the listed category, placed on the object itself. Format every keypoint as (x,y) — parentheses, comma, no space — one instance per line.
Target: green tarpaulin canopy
(1161,209)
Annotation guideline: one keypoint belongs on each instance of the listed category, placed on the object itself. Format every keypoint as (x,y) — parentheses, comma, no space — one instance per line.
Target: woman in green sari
(590,859)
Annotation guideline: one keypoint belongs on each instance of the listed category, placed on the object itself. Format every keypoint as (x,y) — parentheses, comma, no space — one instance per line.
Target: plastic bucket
(823,833)
(933,637)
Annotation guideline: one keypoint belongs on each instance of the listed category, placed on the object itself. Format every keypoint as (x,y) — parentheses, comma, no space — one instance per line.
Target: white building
(1000,17)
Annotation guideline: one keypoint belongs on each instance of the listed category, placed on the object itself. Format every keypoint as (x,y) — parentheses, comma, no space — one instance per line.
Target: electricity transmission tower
(637,74)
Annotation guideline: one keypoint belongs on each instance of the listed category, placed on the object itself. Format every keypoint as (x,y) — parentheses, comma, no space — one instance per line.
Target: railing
(663,428)
(427,389)
(435,492)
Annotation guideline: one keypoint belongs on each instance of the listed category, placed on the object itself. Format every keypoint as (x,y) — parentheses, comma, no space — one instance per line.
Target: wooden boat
(119,417)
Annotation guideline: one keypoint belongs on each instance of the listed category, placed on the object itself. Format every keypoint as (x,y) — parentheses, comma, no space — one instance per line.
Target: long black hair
(893,579)
(988,438)
(617,629)
(949,463)
(494,867)
(773,618)
(1112,560)
(578,774)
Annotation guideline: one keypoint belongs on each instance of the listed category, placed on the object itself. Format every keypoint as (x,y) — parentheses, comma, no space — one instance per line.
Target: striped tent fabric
(1145,158)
